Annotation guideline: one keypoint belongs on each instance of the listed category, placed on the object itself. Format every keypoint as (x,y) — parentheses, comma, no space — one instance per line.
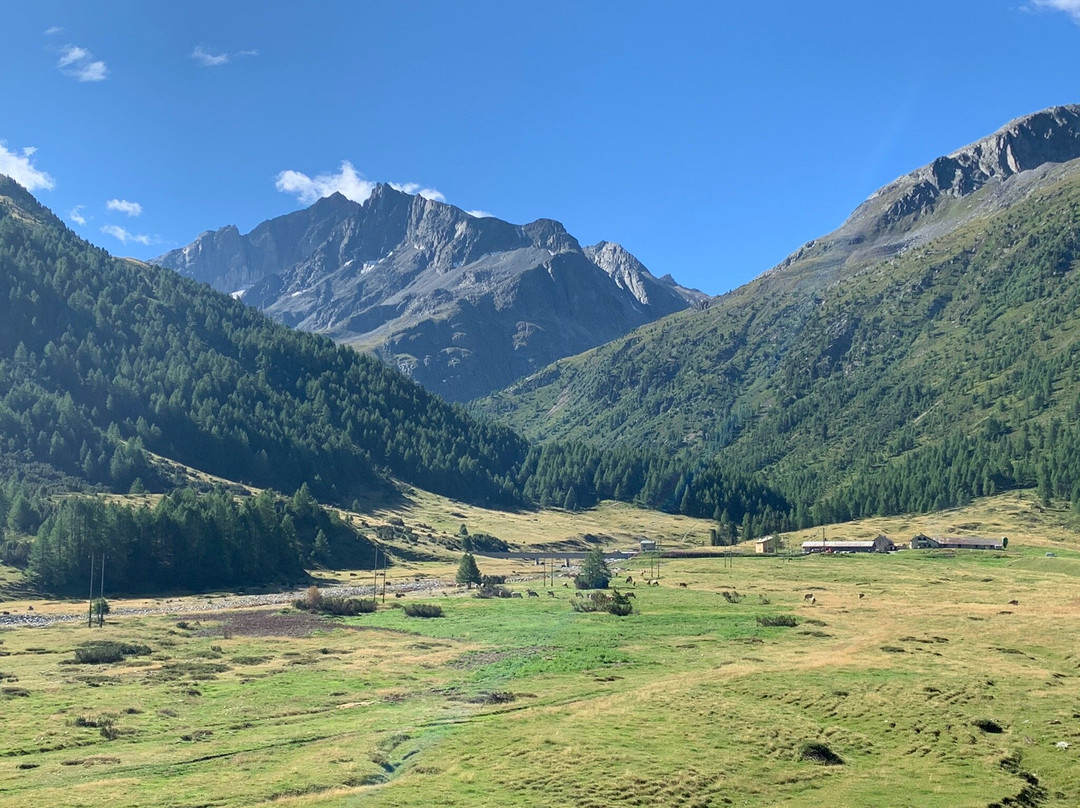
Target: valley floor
(914,669)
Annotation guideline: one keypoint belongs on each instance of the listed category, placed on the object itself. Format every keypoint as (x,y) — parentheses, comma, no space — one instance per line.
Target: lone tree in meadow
(594,572)
(467,572)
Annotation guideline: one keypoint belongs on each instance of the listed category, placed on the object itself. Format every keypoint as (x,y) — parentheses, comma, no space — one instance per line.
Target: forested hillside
(107,364)
(914,376)
(100,358)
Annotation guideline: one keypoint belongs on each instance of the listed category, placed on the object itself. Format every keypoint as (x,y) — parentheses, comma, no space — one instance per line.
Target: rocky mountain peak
(548,234)
(463,304)
(630,274)
(1049,136)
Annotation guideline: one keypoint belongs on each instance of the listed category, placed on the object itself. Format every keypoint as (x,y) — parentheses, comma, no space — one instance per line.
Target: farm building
(923,542)
(969,543)
(882,544)
(767,545)
(648,545)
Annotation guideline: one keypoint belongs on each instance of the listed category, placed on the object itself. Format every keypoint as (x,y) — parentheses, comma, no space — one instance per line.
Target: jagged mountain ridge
(464,305)
(929,310)
(941,196)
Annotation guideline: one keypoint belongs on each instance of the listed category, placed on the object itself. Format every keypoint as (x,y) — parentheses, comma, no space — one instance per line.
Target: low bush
(779,620)
(316,601)
(614,603)
(493,591)
(106,651)
(820,753)
(346,606)
(423,610)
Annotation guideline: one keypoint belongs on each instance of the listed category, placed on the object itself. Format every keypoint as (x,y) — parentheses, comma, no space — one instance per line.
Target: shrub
(616,603)
(346,606)
(493,591)
(316,601)
(106,651)
(492,580)
(820,753)
(780,620)
(423,610)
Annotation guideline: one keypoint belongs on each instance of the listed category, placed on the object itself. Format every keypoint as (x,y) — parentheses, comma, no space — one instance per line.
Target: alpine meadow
(326,491)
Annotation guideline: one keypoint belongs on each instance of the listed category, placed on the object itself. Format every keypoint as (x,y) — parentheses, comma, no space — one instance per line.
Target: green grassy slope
(878,364)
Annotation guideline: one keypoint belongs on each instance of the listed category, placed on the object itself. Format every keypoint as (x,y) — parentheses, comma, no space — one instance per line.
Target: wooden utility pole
(375,579)
(384,577)
(101,594)
(90,606)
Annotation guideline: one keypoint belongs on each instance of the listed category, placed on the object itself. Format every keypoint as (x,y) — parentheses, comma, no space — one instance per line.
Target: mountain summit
(464,305)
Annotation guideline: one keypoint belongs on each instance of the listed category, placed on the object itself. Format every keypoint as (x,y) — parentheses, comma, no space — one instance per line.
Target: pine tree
(570,503)
(467,572)
(594,572)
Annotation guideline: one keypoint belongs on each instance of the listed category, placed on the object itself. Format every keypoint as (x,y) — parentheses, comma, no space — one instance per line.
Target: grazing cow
(551,594)
(630,580)
(813,601)
(631,595)
(682,584)
(531,594)
(862,595)
(1014,603)
(808,596)
(515,594)
(399,594)
(578,595)
(654,583)
(565,585)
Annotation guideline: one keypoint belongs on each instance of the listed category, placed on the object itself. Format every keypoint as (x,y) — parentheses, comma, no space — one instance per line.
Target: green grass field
(689,701)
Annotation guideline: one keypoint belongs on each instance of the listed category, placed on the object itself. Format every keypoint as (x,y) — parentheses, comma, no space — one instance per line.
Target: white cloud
(53,29)
(18,166)
(1070,7)
(70,54)
(347,181)
(76,214)
(123,206)
(419,190)
(123,236)
(79,63)
(207,59)
(480,214)
(308,189)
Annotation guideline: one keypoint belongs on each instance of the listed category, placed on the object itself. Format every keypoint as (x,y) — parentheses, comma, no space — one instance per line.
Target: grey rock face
(1050,136)
(465,305)
(998,170)
(630,274)
(230,262)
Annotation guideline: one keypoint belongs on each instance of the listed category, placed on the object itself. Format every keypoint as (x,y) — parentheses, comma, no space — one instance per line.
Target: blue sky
(710,138)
